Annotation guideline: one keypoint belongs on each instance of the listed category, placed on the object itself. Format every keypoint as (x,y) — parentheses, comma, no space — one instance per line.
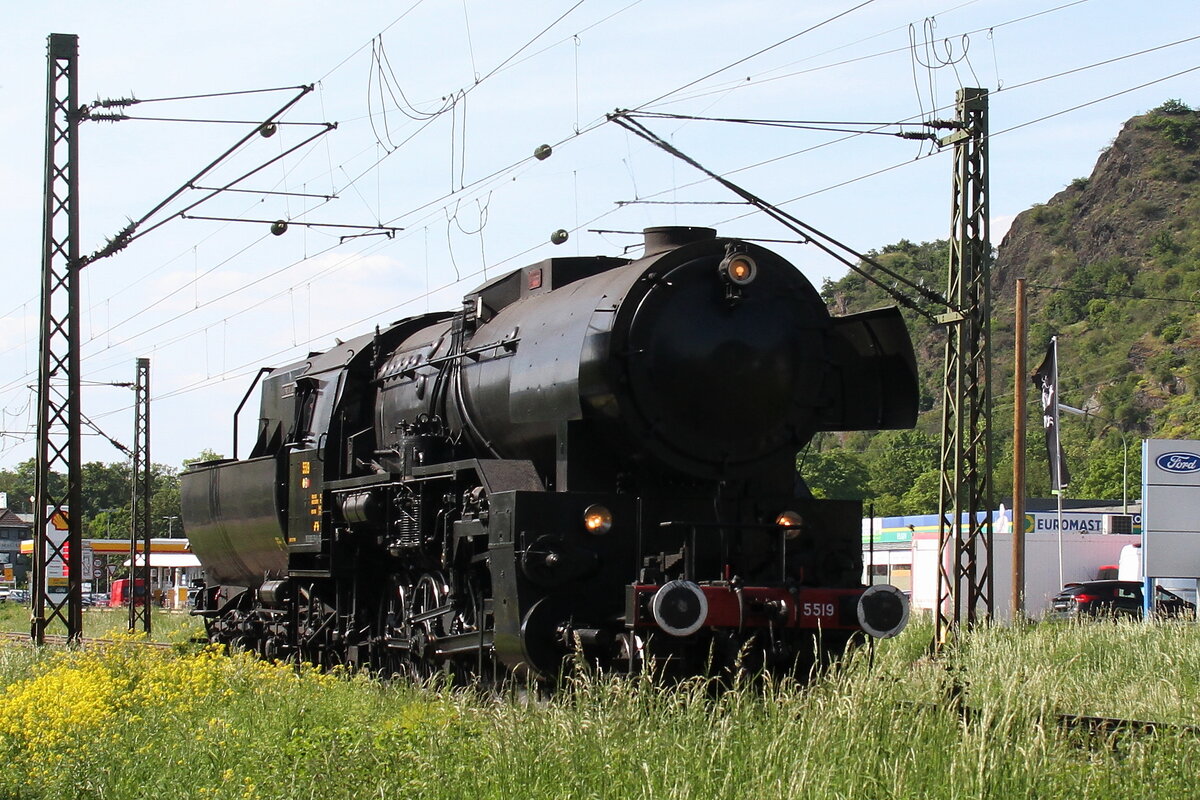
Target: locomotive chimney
(669,237)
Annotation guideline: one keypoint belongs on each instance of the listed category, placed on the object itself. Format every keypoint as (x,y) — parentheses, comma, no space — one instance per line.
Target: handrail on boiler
(261,372)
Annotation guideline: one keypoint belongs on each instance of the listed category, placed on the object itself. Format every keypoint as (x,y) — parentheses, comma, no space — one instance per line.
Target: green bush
(1177,122)
(1173,107)
(1169,327)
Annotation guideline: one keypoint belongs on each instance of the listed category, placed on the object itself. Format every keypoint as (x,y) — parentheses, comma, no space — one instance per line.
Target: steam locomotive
(594,457)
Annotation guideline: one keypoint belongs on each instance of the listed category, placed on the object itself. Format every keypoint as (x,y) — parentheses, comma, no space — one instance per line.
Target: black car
(1115,599)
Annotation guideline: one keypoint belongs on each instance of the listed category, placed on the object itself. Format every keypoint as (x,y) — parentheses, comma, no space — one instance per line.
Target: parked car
(1115,599)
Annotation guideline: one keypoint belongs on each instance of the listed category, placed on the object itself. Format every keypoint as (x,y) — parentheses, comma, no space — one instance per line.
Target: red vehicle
(120,593)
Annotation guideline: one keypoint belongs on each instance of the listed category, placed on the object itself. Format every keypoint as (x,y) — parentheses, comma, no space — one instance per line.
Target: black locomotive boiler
(591,455)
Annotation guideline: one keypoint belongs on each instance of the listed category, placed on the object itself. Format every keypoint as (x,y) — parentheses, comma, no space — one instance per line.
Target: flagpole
(1046,379)
(1060,556)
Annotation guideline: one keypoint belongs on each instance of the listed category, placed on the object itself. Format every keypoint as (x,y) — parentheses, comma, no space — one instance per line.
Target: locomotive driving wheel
(470,617)
(424,623)
(390,650)
(314,623)
(468,604)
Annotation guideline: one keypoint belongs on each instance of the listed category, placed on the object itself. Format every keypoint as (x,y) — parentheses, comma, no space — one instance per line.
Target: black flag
(1045,378)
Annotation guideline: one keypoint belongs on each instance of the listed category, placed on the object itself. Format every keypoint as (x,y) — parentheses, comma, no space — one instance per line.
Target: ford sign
(1178,462)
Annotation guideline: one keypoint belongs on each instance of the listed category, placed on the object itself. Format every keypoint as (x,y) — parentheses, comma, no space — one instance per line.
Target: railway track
(1098,726)
(1094,726)
(59,639)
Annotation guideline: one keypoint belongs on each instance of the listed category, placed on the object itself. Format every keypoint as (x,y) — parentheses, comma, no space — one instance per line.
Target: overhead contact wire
(757,53)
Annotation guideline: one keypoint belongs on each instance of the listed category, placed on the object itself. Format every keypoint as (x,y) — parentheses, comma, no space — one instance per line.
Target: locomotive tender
(593,455)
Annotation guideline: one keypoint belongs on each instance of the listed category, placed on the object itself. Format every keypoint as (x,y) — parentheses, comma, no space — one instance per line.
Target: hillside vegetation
(1112,263)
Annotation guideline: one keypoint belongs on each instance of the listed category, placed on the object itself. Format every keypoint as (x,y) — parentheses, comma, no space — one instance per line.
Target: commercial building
(903,551)
(12,530)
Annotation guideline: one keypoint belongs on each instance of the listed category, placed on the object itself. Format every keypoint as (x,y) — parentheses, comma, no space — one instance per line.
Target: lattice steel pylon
(57,555)
(139,530)
(965,499)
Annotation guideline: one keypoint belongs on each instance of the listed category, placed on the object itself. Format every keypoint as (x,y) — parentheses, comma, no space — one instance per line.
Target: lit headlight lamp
(737,267)
(597,519)
(791,523)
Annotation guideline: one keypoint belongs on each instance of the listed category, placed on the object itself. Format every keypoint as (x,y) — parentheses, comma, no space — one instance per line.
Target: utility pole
(58,541)
(965,500)
(139,527)
(1020,379)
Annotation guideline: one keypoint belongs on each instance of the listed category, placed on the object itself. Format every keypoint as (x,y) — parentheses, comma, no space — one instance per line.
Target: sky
(428,185)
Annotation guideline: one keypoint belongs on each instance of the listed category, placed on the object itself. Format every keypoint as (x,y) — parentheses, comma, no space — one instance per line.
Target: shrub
(1173,107)
(1143,208)
(1179,124)
(1170,328)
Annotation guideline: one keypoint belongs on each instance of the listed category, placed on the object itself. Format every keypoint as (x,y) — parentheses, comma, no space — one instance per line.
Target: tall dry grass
(133,722)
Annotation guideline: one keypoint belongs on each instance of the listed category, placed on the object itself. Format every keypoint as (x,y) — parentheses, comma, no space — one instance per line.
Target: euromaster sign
(1171,507)
(893,530)
(1076,522)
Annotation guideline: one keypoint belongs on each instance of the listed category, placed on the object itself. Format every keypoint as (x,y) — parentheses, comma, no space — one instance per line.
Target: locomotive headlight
(791,522)
(738,268)
(882,611)
(597,519)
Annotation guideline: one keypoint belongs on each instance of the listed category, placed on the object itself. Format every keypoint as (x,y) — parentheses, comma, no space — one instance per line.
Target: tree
(922,497)
(836,475)
(896,459)
(105,486)
(107,494)
(165,519)
(1099,470)
(110,523)
(19,484)
(205,455)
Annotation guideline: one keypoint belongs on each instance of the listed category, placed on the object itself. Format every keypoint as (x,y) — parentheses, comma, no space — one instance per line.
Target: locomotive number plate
(817,609)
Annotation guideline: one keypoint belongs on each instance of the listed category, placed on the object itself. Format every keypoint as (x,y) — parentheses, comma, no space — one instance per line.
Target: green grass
(198,725)
(165,626)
